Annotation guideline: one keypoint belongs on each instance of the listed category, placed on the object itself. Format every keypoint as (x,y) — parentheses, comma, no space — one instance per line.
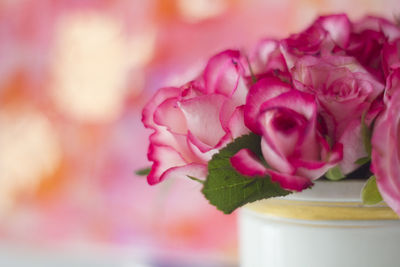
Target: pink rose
(266,59)
(367,39)
(386,152)
(322,37)
(292,146)
(344,91)
(390,30)
(192,122)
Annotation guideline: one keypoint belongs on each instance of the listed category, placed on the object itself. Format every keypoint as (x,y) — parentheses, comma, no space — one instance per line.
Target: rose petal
(182,172)
(223,72)
(391,56)
(392,84)
(198,143)
(163,158)
(314,40)
(308,41)
(161,95)
(168,114)
(236,124)
(202,117)
(353,146)
(315,169)
(275,159)
(259,93)
(290,182)
(230,104)
(282,128)
(247,163)
(267,57)
(205,153)
(302,118)
(178,142)
(386,153)
(390,30)
(338,27)
(299,102)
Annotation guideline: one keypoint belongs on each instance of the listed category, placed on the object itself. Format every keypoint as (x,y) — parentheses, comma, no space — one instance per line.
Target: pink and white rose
(294,150)
(267,59)
(367,39)
(386,152)
(304,96)
(344,91)
(192,122)
(324,36)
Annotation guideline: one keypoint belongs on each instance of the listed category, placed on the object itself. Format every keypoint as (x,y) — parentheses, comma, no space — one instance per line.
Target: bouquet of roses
(324,102)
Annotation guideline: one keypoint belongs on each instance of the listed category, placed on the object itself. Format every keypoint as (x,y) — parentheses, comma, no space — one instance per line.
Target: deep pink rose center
(285,123)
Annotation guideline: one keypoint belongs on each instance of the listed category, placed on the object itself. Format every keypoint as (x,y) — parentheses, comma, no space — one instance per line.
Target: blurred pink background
(74,75)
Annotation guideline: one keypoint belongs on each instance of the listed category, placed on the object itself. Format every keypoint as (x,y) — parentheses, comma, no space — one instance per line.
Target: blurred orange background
(74,75)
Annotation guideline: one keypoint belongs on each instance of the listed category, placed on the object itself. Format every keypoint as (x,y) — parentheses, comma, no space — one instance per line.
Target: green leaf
(370,194)
(362,161)
(143,172)
(334,174)
(227,189)
(195,179)
(366,135)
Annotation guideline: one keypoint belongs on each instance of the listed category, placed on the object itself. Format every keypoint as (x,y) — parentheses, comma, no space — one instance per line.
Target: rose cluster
(309,97)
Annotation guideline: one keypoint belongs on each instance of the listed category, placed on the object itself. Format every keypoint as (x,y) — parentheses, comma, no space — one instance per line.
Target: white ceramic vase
(323,227)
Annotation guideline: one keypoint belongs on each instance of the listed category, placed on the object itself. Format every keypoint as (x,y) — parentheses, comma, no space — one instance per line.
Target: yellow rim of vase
(322,211)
